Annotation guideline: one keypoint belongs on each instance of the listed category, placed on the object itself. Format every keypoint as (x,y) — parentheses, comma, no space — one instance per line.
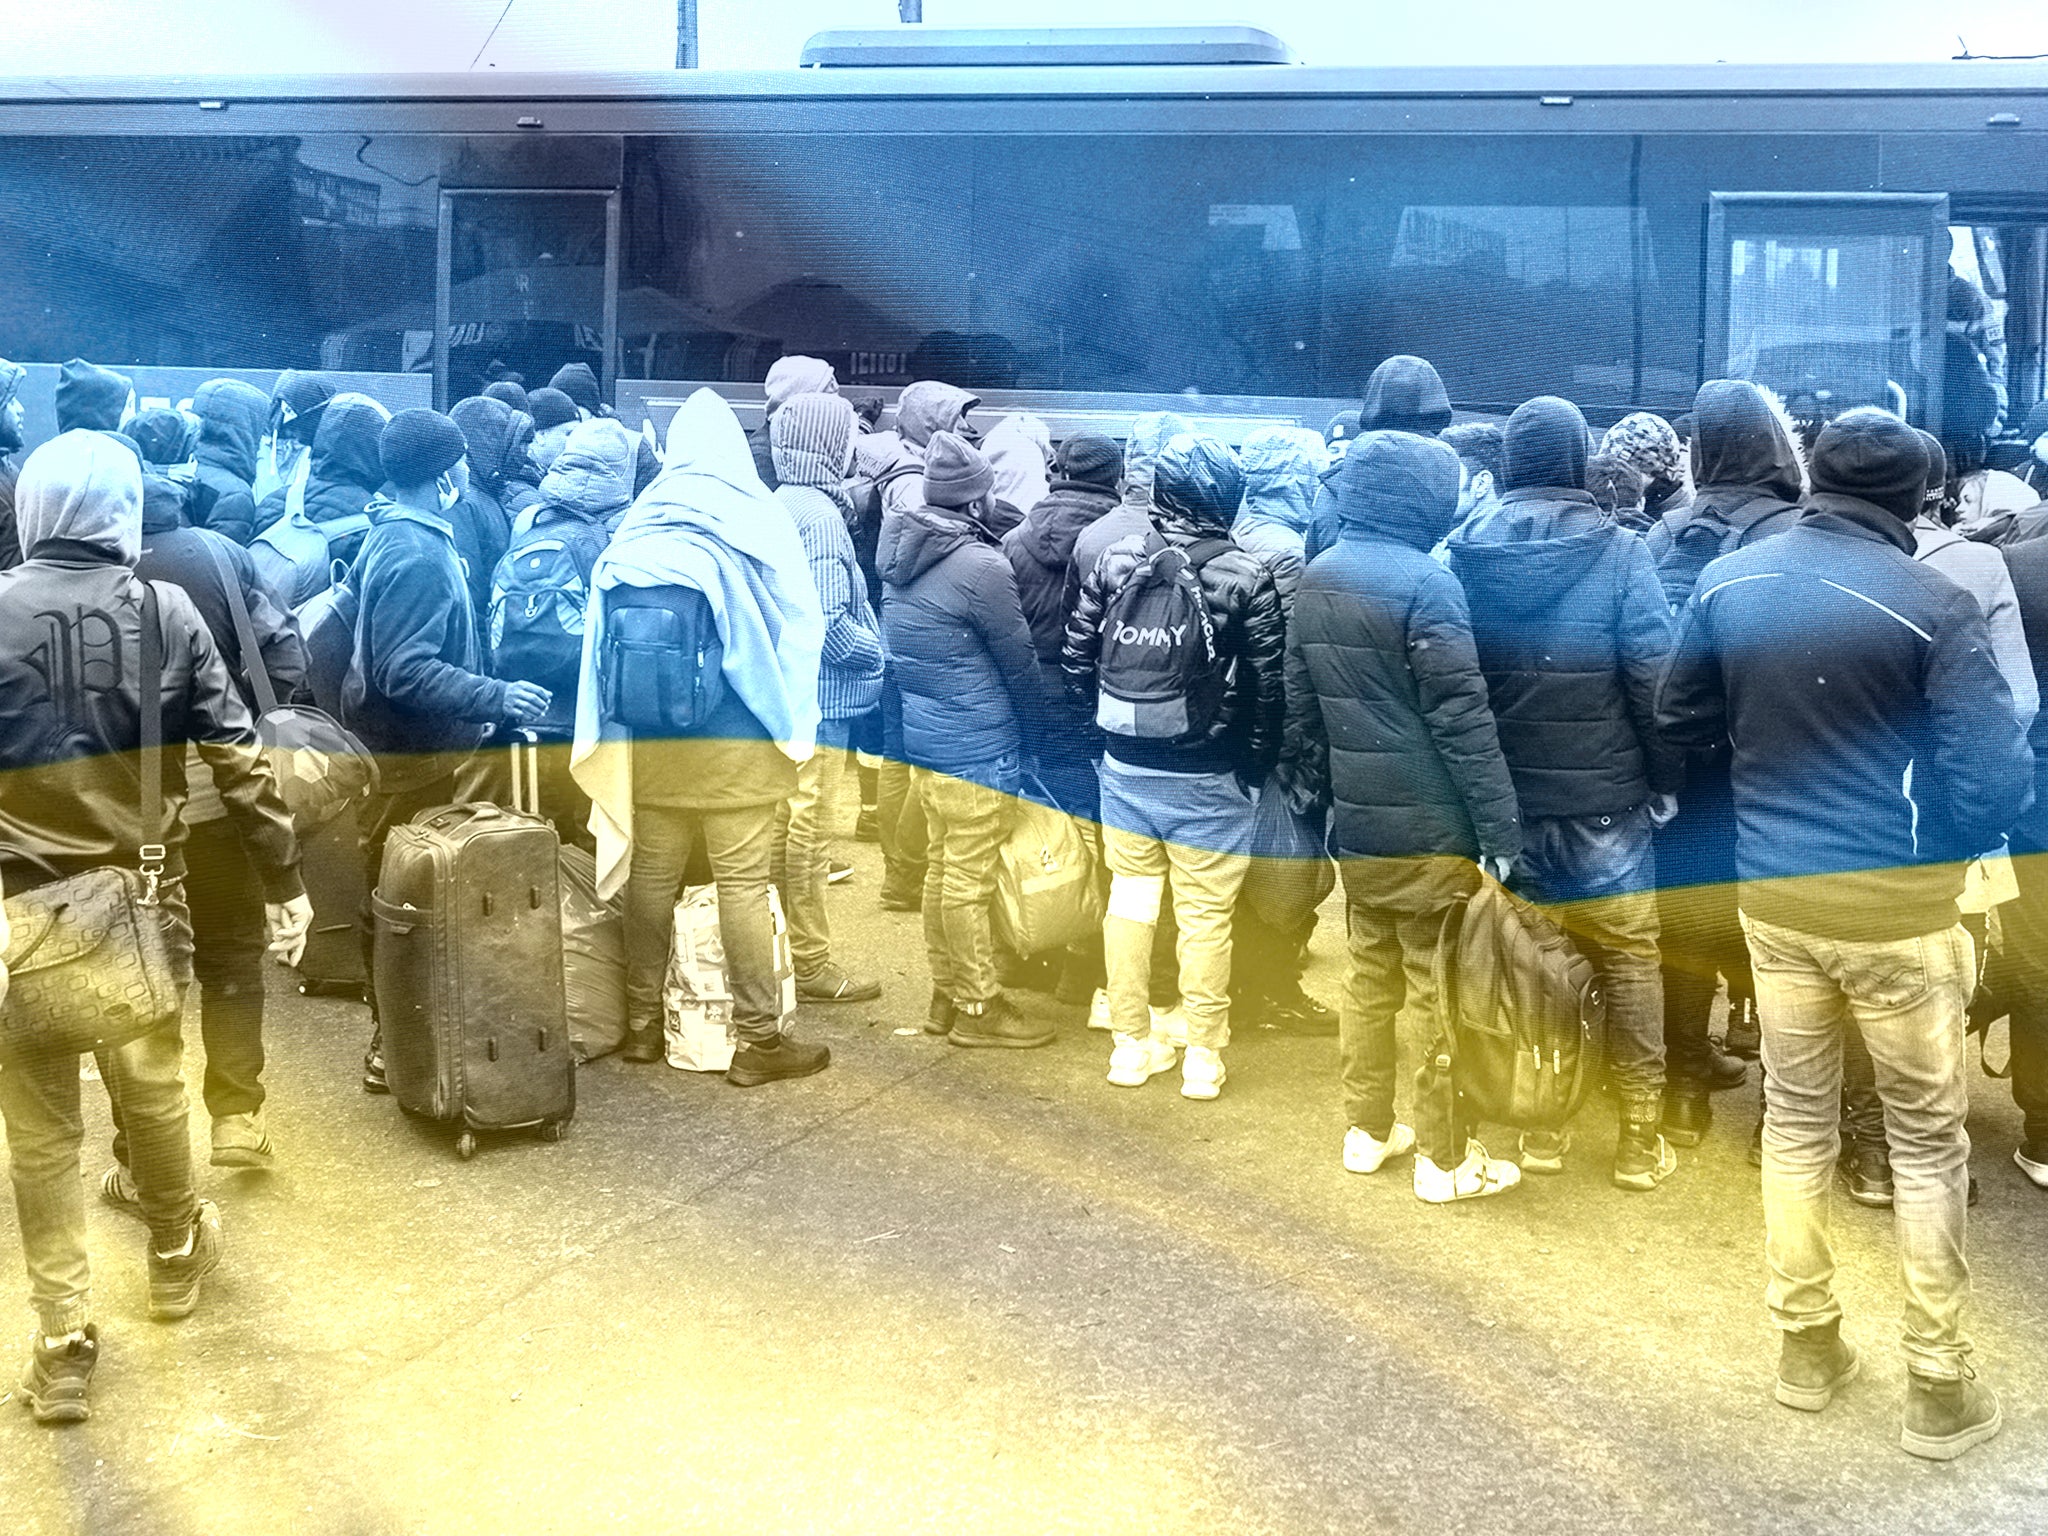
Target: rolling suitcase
(469,970)
(332,866)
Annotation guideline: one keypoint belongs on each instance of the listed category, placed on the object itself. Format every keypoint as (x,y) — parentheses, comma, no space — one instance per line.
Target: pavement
(941,1290)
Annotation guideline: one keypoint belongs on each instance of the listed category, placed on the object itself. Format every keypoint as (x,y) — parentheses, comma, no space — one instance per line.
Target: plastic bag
(1291,872)
(1047,895)
(697,1022)
(593,960)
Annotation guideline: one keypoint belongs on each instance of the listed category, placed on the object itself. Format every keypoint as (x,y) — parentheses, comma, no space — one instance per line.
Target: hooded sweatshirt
(812,439)
(1041,552)
(895,460)
(787,378)
(1404,394)
(311,525)
(1750,476)
(1572,628)
(232,416)
(91,397)
(1017,448)
(496,436)
(1132,515)
(591,479)
(1283,469)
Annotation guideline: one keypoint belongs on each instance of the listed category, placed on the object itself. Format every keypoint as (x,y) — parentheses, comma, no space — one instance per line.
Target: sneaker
(174,1282)
(374,1080)
(1473,1179)
(898,901)
(644,1043)
(838,872)
(1000,1025)
(2031,1158)
(1296,1015)
(1170,1025)
(1945,1418)
(240,1141)
(1868,1172)
(1134,1062)
(1202,1075)
(758,1062)
(1745,1037)
(1366,1153)
(868,828)
(1098,1011)
(938,1019)
(117,1188)
(1813,1364)
(1688,1116)
(55,1387)
(1643,1159)
(829,984)
(1543,1151)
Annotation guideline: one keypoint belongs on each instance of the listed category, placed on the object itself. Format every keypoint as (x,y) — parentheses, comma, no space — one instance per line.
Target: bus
(1083,232)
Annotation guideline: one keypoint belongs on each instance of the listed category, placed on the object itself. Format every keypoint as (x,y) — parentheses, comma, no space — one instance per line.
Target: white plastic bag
(697,1023)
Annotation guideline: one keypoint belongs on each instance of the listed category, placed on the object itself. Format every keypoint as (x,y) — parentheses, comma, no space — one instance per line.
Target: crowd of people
(1745,703)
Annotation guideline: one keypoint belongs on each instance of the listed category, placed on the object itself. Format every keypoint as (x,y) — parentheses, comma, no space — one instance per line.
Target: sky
(99,37)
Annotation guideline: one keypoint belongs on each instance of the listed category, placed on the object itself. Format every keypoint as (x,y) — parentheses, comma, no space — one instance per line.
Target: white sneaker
(1365,1153)
(1170,1025)
(1477,1176)
(1134,1062)
(1201,1073)
(2037,1173)
(1098,1011)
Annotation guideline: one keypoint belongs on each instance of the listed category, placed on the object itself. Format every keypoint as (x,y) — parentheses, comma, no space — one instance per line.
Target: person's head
(1090,459)
(1150,433)
(789,377)
(1544,445)
(163,435)
(1480,457)
(96,399)
(1871,455)
(13,420)
(508,392)
(1341,433)
(1199,482)
(1938,501)
(554,414)
(1283,468)
(811,440)
(929,407)
(1743,436)
(1399,485)
(1405,394)
(579,383)
(496,436)
(82,489)
(297,400)
(957,474)
(1019,449)
(422,453)
(1617,486)
(594,473)
(1647,443)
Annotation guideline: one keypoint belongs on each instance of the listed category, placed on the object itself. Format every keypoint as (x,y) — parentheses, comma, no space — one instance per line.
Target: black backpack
(662,667)
(1701,540)
(540,597)
(1159,674)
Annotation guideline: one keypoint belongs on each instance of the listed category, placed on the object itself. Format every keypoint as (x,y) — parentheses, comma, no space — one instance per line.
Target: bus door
(526,281)
(1834,300)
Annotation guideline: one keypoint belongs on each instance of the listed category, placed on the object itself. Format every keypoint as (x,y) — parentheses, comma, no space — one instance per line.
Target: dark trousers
(1700,943)
(2023,979)
(229,940)
(1266,962)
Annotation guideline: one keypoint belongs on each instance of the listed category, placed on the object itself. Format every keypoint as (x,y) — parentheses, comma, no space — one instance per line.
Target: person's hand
(290,922)
(1497,867)
(526,702)
(1662,809)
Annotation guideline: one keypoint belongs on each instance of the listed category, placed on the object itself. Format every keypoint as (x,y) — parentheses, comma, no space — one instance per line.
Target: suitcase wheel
(553,1130)
(465,1145)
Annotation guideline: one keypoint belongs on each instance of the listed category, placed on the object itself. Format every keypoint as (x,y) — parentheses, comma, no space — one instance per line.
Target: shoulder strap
(245,630)
(151,701)
(1202,551)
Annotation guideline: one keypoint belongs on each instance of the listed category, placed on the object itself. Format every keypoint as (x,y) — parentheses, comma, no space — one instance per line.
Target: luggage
(331,865)
(1522,1010)
(1291,873)
(662,671)
(469,975)
(696,1003)
(1047,894)
(1159,674)
(593,960)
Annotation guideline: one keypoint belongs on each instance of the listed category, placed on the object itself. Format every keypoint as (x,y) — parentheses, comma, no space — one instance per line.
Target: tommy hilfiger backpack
(1159,675)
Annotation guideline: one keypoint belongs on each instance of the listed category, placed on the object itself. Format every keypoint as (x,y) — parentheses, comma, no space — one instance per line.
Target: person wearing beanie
(1648,444)
(1388,722)
(507,392)
(1176,809)
(579,383)
(418,692)
(92,397)
(1573,630)
(13,425)
(972,699)
(1875,752)
(788,378)
(1132,514)
(231,416)
(812,438)
(554,417)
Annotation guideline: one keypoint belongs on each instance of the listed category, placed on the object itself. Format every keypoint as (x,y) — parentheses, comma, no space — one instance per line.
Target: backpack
(1699,541)
(540,596)
(662,668)
(1521,1011)
(1159,674)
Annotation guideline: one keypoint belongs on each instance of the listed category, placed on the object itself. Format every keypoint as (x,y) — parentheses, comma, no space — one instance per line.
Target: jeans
(1908,996)
(899,808)
(1192,832)
(39,1099)
(966,822)
(1597,876)
(740,843)
(816,812)
(230,937)
(1393,954)
(2023,976)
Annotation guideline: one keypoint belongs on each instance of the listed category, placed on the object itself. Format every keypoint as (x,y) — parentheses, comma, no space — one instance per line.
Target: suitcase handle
(468,810)
(399,919)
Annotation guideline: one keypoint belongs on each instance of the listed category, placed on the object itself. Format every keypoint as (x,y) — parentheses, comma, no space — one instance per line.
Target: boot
(643,1044)
(1642,1157)
(1813,1364)
(938,1019)
(999,1025)
(1745,1037)
(1868,1171)
(1688,1115)
(1945,1418)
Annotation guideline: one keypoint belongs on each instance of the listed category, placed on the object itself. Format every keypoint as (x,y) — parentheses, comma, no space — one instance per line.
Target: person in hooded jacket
(1388,722)
(296,402)
(1019,450)
(92,398)
(232,416)
(971,698)
(891,463)
(1283,472)
(1404,394)
(312,524)
(788,377)
(497,437)
(1176,811)
(1573,630)
(12,425)
(554,417)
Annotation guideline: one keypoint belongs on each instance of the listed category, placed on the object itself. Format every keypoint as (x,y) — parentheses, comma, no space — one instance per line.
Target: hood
(165,436)
(913,542)
(1400,486)
(1742,436)
(1520,556)
(1150,434)
(232,416)
(296,401)
(82,488)
(1199,483)
(1405,394)
(811,441)
(579,383)
(1018,449)
(789,377)
(1282,466)
(497,436)
(1049,529)
(91,397)
(345,447)
(163,503)
(705,438)
(592,477)
(1544,444)
(928,406)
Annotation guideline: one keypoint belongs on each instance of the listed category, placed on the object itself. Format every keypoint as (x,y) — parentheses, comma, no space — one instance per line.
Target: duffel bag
(1047,893)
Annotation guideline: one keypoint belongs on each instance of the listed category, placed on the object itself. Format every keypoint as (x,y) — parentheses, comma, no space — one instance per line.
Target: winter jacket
(1750,475)
(345,472)
(1875,745)
(894,461)
(1041,553)
(1196,490)
(1387,712)
(10,541)
(1283,468)
(1981,572)
(498,437)
(957,644)
(2027,566)
(1150,434)
(232,416)
(812,441)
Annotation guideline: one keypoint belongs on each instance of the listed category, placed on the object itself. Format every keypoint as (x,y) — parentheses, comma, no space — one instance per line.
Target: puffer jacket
(1981,571)
(1387,712)
(232,416)
(957,644)
(1197,488)
(1041,553)
(894,461)
(1283,469)
(344,474)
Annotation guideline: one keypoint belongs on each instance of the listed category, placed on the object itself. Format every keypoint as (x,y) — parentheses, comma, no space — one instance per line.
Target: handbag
(1046,894)
(321,767)
(89,956)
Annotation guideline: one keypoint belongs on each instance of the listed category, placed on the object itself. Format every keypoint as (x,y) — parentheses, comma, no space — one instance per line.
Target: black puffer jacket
(1196,491)
(232,416)
(1041,551)
(1387,710)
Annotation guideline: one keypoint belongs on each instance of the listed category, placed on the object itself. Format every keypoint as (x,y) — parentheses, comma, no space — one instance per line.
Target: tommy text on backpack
(1159,674)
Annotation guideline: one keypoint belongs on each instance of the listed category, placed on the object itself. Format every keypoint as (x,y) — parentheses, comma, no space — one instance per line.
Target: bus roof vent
(975,48)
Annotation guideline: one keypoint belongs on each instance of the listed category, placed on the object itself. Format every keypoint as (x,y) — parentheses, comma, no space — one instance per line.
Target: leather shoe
(643,1044)
(1868,1171)
(1688,1113)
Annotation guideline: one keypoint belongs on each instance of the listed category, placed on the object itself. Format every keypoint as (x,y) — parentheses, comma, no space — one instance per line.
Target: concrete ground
(937,1290)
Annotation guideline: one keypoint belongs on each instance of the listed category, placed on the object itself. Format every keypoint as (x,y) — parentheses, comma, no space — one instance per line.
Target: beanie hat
(91,397)
(1872,455)
(577,382)
(418,445)
(512,394)
(1649,445)
(549,408)
(955,473)
(1937,463)
(1090,459)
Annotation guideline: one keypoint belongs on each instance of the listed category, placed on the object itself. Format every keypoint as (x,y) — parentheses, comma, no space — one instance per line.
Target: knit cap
(955,472)
(1872,455)
(91,397)
(549,408)
(1092,459)
(512,394)
(577,382)
(419,445)
(1649,445)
